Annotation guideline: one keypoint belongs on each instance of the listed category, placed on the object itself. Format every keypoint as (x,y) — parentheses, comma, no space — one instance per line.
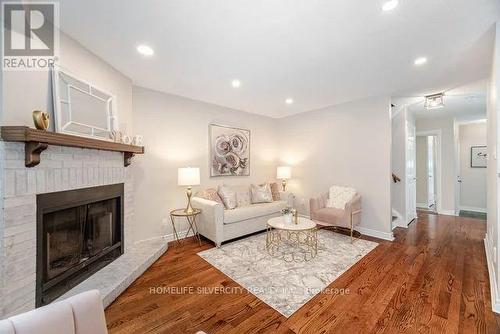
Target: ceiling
(464,103)
(318,52)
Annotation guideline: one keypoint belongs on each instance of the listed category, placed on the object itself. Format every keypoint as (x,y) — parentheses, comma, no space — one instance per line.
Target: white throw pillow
(261,193)
(339,197)
(228,196)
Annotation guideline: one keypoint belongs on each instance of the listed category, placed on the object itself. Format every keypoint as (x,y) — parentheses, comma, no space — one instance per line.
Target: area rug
(287,286)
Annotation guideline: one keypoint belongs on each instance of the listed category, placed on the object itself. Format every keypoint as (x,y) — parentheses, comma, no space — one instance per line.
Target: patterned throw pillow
(261,193)
(210,194)
(275,191)
(339,197)
(243,198)
(228,196)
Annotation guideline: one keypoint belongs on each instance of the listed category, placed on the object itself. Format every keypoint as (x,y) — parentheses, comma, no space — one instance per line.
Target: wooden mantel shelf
(36,141)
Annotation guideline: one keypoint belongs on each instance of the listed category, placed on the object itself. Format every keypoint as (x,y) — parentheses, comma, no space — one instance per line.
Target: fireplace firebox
(78,232)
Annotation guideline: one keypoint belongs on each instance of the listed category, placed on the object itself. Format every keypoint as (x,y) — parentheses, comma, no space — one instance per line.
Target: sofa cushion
(253,211)
(329,215)
(242,195)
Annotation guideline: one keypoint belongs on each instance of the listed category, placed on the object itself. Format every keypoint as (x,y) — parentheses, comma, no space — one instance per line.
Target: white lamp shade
(188,176)
(284,172)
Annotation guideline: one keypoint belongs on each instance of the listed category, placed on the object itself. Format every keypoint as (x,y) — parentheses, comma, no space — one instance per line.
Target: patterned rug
(287,286)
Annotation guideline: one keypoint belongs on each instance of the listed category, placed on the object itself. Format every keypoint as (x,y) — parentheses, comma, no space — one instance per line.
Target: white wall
(422,171)
(448,177)
(348,144)
(175,133)
(398,162)
(25,91)
(473,186)
(492,238)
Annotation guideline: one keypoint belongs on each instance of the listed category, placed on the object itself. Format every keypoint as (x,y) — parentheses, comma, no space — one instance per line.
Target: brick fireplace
(60,169)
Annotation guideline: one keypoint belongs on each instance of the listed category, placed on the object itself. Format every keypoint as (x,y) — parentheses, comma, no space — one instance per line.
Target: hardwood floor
(433,279)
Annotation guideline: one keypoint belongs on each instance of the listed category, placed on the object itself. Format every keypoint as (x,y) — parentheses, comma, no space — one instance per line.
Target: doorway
(471,163)
(427,171)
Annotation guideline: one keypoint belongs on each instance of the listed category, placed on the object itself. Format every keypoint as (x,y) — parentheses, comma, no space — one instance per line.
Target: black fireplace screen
(79,232)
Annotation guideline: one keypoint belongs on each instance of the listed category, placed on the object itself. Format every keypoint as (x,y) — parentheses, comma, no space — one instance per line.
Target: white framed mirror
(82,109)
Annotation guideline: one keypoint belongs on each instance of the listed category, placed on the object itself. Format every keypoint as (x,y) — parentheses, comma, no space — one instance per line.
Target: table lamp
(188,176)
(284,173)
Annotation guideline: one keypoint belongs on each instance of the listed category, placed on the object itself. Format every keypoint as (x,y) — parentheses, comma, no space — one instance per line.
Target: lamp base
(283,185)
(189,209)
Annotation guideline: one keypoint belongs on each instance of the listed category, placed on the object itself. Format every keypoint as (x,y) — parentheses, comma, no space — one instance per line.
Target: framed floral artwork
(229,151)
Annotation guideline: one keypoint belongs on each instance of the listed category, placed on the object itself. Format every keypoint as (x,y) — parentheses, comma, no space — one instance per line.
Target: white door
(431,191)
(411,172)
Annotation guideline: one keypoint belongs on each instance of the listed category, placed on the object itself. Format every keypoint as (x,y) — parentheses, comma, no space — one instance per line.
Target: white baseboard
(168,237)
(367,231)
(422,205)
(375,233)
(495,299)
(474,209)
(446,212)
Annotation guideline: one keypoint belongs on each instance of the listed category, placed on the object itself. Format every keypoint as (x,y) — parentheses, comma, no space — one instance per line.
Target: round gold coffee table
(292,242)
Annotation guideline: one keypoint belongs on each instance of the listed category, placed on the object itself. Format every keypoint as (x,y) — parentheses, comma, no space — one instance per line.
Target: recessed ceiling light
(289,101)
(145,50)
(236,83)
(390,5)
(420,61)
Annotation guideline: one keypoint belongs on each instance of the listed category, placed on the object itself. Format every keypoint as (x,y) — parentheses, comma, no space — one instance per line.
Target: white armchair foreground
(80,314)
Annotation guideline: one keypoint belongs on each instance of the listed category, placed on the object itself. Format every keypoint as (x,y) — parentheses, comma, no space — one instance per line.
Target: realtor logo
(30,36)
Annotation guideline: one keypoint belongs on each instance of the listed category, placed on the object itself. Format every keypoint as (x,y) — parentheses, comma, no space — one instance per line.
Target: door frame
(456,138)
(439,150)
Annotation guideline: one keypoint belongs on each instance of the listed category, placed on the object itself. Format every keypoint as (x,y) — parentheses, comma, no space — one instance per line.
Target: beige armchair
(348,218)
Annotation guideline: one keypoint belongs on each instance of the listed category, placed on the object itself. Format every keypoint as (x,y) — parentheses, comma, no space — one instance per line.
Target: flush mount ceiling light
(420,61)
(145,50)
(390,5)
(236,83)
(435,101)
(289,101)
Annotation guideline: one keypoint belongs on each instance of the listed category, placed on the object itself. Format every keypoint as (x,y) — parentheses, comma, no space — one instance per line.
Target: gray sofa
(219,224)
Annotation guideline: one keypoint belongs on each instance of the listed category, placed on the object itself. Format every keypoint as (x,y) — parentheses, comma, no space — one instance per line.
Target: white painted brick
(64,179)
(58,180)
(18,238)
(13,154)
(83,168)
(21,182)
(20,228)
(40,181)
(14,164)
(10,183)
(31,182)
(47,163)
(79,177)
(72,163)
(49,180)
(19,200)
(72,178)
(53,149)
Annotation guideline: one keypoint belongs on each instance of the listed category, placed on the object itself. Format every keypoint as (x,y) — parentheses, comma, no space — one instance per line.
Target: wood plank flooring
(432,279)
